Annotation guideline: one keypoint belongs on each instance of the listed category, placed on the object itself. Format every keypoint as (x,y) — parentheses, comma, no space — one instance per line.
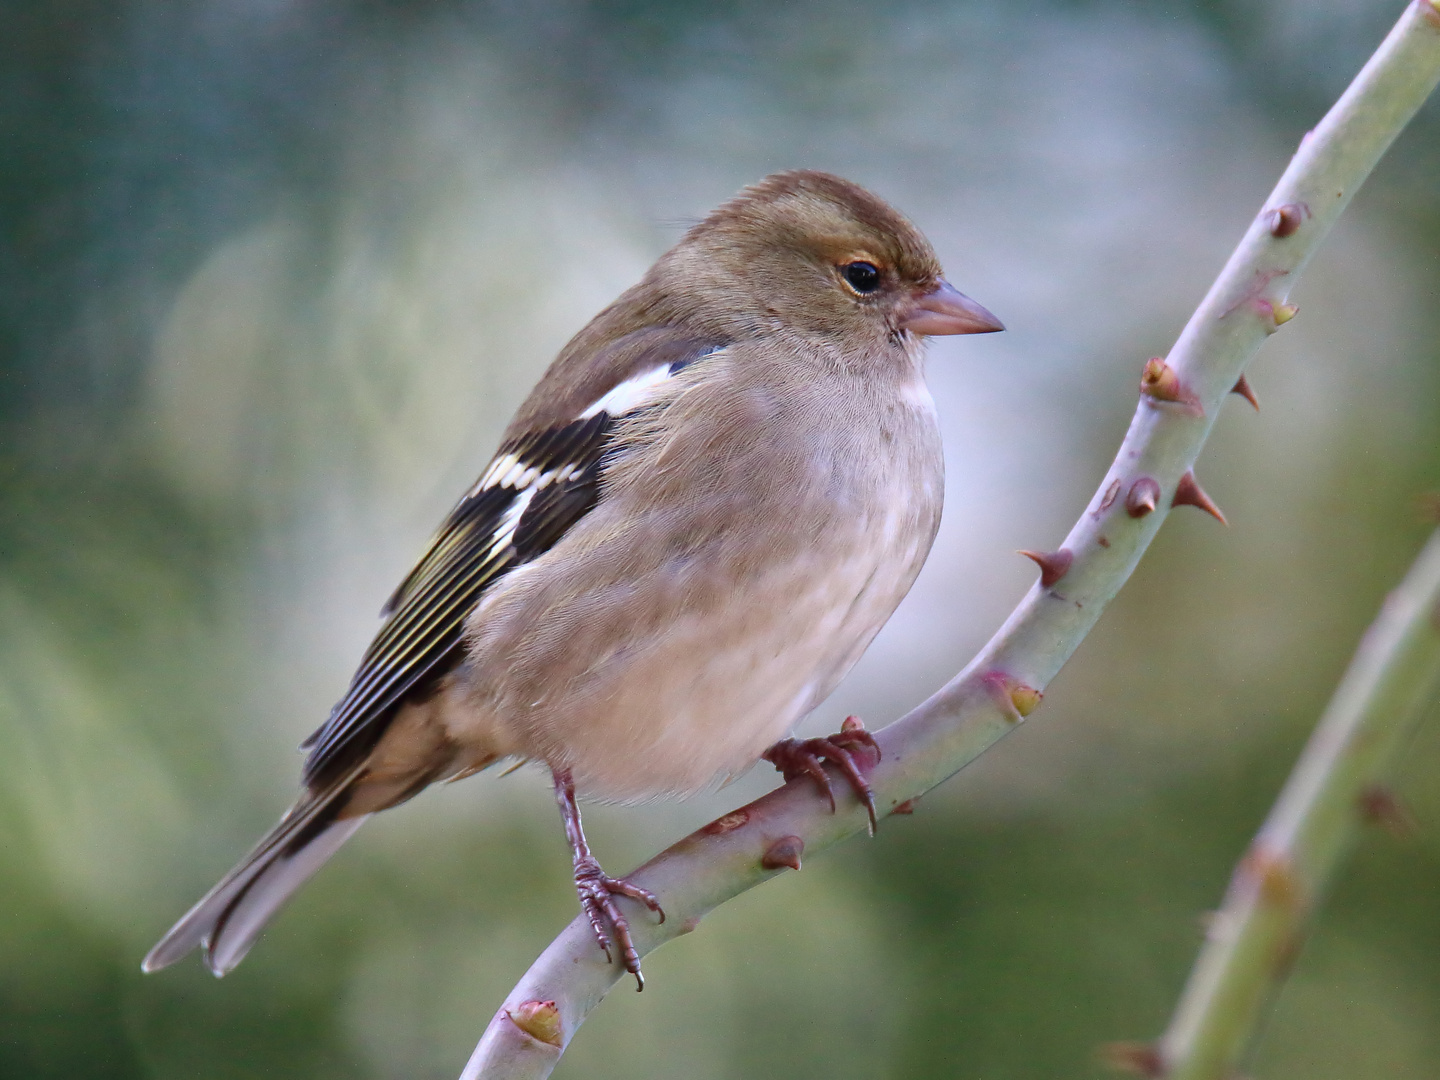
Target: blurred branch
(1278,885)
(1178,404)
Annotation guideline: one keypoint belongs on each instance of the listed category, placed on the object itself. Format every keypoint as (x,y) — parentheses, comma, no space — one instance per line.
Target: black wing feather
(420,640)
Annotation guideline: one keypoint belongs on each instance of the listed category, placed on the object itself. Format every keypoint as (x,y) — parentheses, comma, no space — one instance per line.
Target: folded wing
(536,488)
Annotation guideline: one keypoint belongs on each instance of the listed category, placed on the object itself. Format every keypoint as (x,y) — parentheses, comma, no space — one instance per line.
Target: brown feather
(693,576)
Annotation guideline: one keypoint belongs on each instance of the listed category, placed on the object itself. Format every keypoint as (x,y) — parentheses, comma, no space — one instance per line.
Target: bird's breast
(684,633)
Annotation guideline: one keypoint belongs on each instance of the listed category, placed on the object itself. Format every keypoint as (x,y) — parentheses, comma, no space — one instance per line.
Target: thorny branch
(1277,886)
(1180,397)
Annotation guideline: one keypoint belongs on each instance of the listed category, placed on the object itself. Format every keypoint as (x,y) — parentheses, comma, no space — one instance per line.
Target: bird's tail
(228,919)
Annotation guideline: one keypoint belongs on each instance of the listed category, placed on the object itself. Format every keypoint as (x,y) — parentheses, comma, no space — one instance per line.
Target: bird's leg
(802,757)
(597,891)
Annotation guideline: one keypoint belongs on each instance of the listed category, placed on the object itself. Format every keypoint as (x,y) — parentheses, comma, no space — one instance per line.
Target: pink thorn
(783,852)
(1053,564)
(1189,493)
(1144,497)
(1242,387)
(1140,1059)
(1285,220)
(1381,806)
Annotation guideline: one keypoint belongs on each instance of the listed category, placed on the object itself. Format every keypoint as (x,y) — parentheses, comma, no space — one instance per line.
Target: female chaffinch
(694,526)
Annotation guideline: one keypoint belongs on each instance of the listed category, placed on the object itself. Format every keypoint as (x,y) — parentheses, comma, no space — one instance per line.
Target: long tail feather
(227,920)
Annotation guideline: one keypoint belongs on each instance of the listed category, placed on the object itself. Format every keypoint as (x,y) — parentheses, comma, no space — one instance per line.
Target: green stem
(989,697)
(1279,883)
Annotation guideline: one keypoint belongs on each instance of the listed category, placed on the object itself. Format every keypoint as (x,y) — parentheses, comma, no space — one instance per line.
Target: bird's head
(810,252)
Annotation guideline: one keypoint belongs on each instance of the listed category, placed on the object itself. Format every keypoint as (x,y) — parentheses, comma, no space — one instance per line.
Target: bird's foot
(597,889)
(597,896)
(845,750)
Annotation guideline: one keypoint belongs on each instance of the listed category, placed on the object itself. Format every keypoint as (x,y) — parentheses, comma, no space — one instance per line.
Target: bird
(694,526)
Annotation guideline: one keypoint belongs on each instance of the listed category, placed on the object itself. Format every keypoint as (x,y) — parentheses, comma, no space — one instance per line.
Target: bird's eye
(863,277)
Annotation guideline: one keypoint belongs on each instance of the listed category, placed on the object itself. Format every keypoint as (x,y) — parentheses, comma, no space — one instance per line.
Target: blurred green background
(273,275)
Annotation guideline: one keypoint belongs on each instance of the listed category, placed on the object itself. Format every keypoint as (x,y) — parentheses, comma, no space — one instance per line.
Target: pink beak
(946,310)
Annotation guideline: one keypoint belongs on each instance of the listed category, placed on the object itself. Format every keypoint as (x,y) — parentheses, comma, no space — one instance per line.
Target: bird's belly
(662,648)
(701,702)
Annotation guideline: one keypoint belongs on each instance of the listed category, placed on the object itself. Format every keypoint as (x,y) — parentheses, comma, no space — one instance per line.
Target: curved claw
(843,758)
(597,892)
(597,889)
(793,759)
(802,757)
(635,892)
